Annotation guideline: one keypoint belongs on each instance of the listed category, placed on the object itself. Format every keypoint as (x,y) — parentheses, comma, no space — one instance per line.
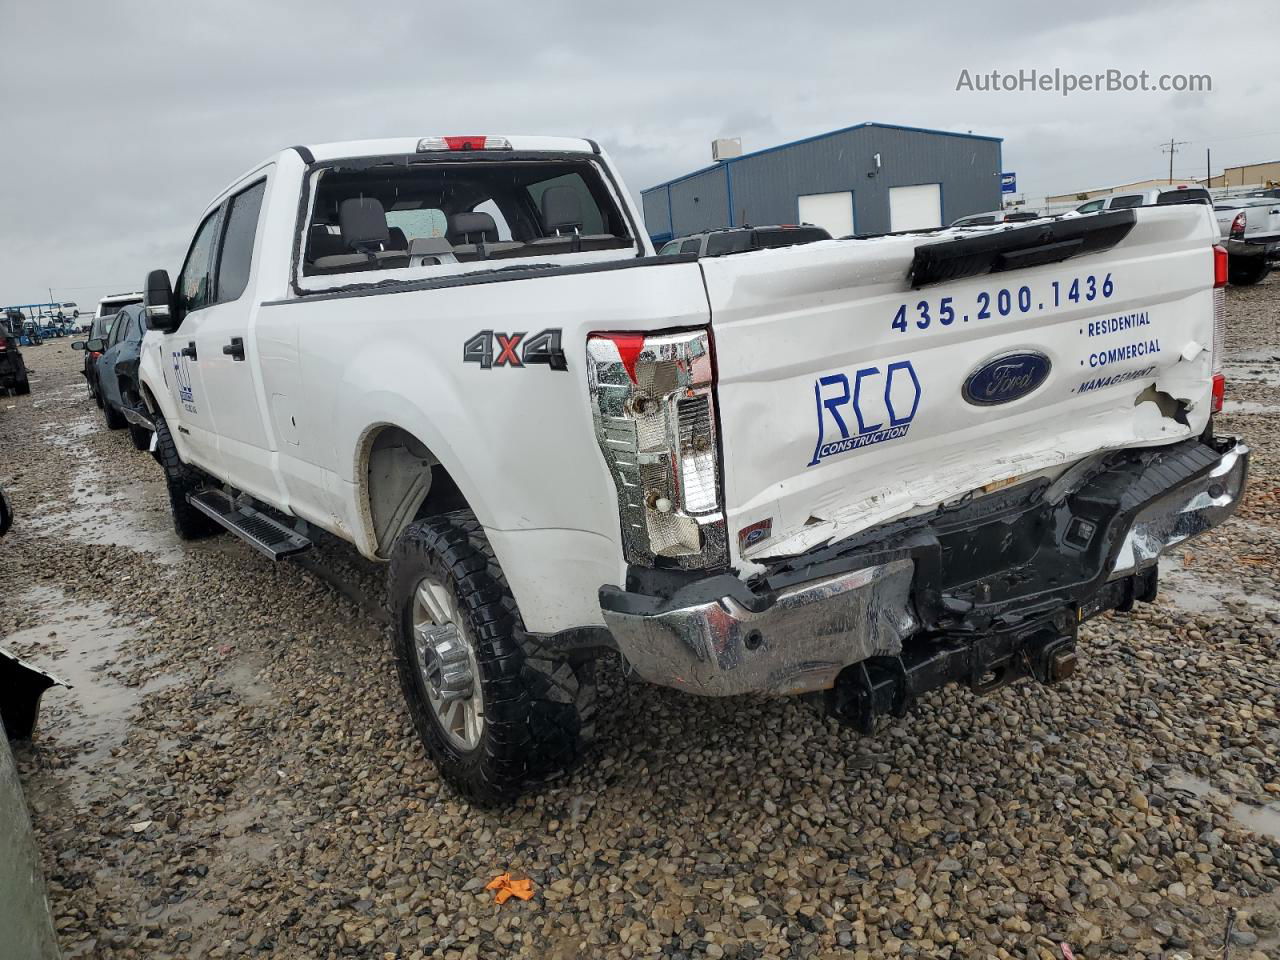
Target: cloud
(122,120)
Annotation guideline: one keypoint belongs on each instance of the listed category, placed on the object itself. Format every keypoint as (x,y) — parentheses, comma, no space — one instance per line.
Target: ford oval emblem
(1006,378)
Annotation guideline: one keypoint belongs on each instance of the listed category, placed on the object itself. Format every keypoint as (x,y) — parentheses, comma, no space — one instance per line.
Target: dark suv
(13,369)
(718,243)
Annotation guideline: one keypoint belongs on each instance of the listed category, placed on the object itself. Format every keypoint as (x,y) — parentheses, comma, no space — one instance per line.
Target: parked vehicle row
(858,469)
(111,370)
(13,367)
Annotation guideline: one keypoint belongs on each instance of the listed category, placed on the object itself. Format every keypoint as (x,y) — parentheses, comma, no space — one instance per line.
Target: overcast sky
(119,121)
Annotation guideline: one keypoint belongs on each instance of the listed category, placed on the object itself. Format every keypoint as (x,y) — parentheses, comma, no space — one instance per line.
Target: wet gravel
(234,774)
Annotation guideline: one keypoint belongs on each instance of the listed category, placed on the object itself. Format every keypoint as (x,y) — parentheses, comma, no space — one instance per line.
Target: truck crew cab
(856,469)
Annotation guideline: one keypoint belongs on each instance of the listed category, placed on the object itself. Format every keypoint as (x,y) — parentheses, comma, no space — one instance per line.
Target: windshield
(369,215)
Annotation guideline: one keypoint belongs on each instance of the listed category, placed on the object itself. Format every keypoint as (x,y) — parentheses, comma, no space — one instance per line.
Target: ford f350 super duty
(857,469)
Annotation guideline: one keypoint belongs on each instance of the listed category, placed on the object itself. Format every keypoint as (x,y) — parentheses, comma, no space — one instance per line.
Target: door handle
(189,350)
(235,349)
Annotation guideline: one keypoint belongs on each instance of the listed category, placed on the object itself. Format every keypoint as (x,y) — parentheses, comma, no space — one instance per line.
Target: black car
(117,375)
(718,243)
(13,368)
(98,330)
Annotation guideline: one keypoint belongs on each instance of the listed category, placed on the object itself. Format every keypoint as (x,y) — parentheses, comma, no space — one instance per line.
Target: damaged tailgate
(859,382)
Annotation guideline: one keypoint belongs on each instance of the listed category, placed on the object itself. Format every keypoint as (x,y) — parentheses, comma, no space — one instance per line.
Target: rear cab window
(407,217)
(1123,203)
(1184,196)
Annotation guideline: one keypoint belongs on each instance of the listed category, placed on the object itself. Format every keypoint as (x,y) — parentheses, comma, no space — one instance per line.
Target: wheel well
(149,398)
(403,482)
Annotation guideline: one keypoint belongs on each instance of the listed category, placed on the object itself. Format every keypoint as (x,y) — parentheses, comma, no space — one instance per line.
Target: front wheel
(181,480)
(493,710)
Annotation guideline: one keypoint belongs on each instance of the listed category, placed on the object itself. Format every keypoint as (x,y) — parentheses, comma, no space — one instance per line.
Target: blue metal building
(866,179)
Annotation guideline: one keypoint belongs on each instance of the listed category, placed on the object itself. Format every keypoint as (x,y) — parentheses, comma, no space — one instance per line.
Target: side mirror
(77,344)
(158,300)
(96,345)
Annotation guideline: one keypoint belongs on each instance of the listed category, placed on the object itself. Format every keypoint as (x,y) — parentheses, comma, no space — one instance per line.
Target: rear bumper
(1078,547)
(1268,247)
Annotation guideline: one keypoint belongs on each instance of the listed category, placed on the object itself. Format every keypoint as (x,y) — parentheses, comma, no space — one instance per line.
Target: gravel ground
(234,772)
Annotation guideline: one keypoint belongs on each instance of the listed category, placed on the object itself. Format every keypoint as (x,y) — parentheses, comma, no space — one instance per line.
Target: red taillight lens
(1219,326)
(1238,226)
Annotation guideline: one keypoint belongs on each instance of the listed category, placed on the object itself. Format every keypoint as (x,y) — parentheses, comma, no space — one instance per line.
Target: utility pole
(1171,148)
(1208,167)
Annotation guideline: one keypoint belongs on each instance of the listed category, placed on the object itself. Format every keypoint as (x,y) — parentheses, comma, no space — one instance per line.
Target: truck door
(228,363)
(180,359)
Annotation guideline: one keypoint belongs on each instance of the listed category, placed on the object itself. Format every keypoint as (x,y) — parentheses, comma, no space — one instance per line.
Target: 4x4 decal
(542,347)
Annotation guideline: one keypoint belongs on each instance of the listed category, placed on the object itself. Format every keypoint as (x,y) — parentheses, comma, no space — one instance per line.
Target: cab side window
(118,328)
(237,242)
(692,246)
(195,283)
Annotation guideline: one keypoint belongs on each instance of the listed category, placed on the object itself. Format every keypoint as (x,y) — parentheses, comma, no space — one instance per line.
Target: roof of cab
(401,145)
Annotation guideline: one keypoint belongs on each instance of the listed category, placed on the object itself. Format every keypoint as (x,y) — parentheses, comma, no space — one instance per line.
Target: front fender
(151,377)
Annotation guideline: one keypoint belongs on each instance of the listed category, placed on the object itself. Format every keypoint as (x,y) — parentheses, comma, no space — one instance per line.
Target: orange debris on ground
(509,886)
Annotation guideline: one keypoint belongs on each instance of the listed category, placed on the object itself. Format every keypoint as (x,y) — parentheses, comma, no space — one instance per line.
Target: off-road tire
(1246,271)
(180,479)
(140,436)
(115,419)
(539,711)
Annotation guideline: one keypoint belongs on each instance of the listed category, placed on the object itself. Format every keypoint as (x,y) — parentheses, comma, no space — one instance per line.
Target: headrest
(472,227)
(363,221)
(396,240)
(322,243)
(561,209)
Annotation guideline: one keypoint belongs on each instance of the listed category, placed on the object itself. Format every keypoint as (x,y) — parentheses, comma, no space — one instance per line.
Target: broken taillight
(1219,326)
(653,402)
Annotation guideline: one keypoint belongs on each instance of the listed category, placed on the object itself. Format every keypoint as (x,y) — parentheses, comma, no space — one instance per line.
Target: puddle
(1254,372)
(92,515)
(77,642)
(1264,821)
(1194,592)
(1249,406)
(1254,355)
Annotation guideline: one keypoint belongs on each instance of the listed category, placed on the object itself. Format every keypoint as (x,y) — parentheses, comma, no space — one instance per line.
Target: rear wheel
(140,436)
(115,419)
(1246,271)
(493,710)
(23,386)
(181,480)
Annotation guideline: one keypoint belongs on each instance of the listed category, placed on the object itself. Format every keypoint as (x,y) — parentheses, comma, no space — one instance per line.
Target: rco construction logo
(877,405)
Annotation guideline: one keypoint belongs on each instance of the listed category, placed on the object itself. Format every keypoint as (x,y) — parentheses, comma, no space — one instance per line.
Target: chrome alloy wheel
(447,665)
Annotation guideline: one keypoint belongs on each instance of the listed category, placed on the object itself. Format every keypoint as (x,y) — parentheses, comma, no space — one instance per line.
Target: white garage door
(914,208)
(831,211)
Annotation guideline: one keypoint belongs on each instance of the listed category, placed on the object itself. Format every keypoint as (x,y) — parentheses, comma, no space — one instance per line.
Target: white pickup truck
(857,469)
